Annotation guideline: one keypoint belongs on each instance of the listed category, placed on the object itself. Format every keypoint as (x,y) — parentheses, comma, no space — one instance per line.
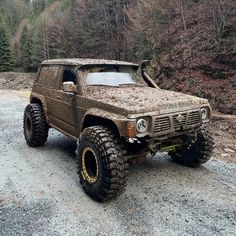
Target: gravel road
(40,192)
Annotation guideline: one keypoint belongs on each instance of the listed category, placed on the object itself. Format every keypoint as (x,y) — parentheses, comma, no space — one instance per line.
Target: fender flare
(104,118)
(37,98)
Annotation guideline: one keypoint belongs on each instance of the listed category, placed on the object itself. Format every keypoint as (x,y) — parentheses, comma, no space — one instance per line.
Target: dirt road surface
(40,192)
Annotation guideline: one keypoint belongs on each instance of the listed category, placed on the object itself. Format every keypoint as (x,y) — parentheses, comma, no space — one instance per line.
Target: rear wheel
(35,126)
(101,165)
(197,153)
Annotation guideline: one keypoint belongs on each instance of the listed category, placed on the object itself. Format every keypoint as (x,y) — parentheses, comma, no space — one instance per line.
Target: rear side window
(48,76)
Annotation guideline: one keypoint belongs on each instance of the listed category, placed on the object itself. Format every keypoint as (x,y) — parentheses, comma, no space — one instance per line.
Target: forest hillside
(192,43)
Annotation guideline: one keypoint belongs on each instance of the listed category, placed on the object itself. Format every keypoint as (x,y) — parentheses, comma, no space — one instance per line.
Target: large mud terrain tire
(35,126)
(199,152)
(101,165)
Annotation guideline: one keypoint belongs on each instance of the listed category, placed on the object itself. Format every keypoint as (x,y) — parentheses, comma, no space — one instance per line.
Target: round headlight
(141,125)
(204,113)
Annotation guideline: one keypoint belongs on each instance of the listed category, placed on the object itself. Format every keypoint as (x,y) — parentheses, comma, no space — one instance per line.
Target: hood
(135,100)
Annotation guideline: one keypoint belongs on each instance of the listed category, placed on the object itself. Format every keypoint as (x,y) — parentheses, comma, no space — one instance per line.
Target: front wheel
(101,166)
(197,153)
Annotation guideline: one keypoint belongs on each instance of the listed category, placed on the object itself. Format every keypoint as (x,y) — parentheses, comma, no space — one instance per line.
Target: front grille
(179,124)
(162,124)
(194,118)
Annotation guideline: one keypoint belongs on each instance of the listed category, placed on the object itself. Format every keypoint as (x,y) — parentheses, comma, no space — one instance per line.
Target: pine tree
(26,50)
(6,58)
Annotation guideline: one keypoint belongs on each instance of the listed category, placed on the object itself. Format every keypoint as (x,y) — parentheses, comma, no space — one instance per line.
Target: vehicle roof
(86,62)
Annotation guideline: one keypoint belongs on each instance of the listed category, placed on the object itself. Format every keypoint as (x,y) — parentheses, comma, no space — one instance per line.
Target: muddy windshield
(113,76)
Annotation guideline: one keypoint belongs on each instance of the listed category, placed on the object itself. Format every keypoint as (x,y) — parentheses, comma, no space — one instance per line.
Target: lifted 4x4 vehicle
(116,116)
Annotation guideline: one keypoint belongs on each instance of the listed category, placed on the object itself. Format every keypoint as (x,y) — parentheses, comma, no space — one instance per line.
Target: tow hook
(194,138)
(154,148)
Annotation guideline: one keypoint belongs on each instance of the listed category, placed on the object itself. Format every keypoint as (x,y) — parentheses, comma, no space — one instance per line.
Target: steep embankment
(200,58)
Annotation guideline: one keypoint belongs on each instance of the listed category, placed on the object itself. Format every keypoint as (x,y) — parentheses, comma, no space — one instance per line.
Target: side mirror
(69,87)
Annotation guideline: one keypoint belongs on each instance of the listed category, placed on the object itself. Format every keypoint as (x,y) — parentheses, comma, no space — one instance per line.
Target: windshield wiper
(102,85)
(130,84)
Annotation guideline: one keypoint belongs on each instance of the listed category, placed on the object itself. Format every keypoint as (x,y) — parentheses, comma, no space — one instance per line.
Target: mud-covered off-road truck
(116,116)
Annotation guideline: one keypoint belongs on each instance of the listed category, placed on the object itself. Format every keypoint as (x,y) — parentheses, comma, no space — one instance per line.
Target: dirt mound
(225,139)
(16,81)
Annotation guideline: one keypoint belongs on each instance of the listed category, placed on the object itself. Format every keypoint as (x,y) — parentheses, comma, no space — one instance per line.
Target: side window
(48,76)
(42,75)
(69,75)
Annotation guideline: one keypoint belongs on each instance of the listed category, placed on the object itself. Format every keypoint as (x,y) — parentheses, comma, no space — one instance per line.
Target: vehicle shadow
(60,143)
(160,164)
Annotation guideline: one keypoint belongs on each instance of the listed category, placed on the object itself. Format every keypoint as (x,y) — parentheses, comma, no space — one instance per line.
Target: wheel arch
(93,120)
(35,98)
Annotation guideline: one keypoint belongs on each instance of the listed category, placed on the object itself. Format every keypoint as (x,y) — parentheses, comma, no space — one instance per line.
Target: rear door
(46,85)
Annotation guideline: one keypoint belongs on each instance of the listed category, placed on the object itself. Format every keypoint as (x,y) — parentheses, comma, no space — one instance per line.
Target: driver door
(66,111)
